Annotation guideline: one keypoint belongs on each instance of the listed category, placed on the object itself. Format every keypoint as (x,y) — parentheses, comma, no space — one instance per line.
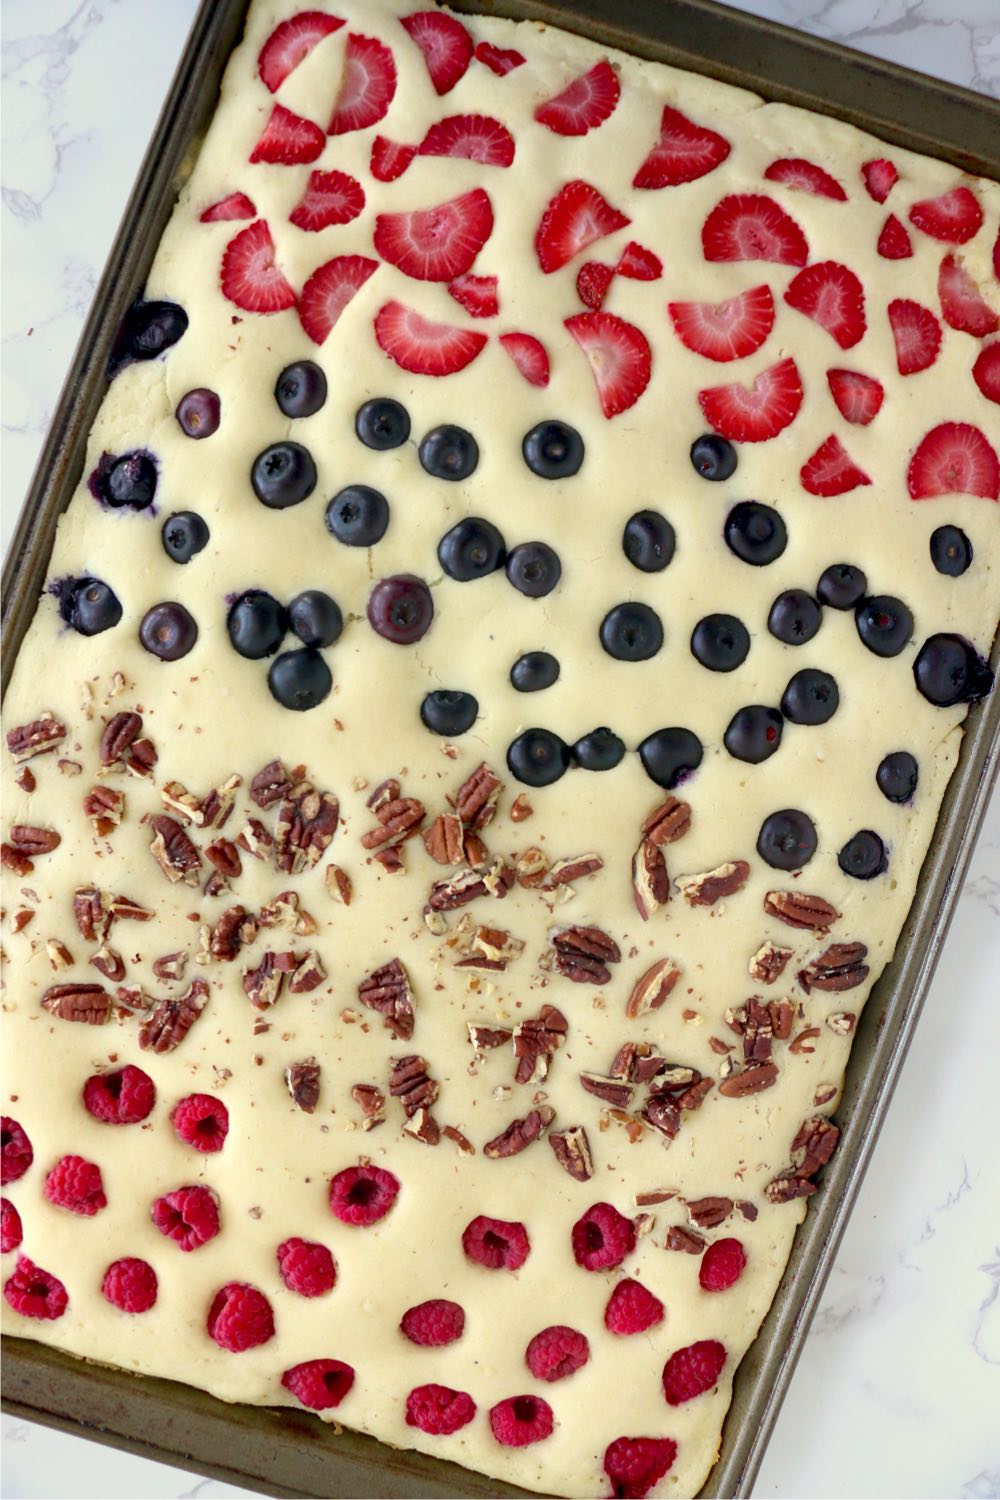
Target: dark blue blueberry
(713,457)
(358,516)
(299,679)
(754,733)
(896,776)
(127,479)
(256,624)
(533,568)
(472,549)
(795,617)
(811,697)
(168,631)
(884,624)
(537,757)
(600,750)
(949,670)
(534,671)
(300,389)
(449,711)
(720,642)
(315,618)
(669,755)
(449,453)
(631,632)
(787,839)
(649,541)
(382,423)
(755,533)
(184,534)
(553,450)
(283,475)
(400,609)
(147,331)
(88,605)
(199,412)
(863,856)
(841,586)
(951,551)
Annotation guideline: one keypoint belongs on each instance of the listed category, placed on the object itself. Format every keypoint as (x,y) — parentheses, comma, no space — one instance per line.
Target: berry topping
(632,1308)
(367,86)
(448,711)
(250,277)
(722,1265)
(445,43)
(553,450)
(436,244)
(787,839)
(148,330)
(949,670)
(954,216)
(753,733)
(299,680)
(880,177)
(631,632)
(329,198)
(256,624)
(470,138)
(831,470)
(917,335)
(240,1317)
(319,1383)
(422,347)
(198,413)
(389,159)
(811,697)
(833,297)
(292,41)
(720,642)
(363,1195)
(449,453)
(602,1237)
(863,856)
(88,605)
(358,516)
(35,1293)
(841,586)
(130,1284)
(619,356)
(233,206)
(806,177)
(669,755)
(76,1184)
(124,1097)
(986,372)
(897,775)
(315,618)
(757,414)
(962,305)
(534,671)
(473,548)
(593,282)
(400,609)
(635,1464)
(433,1323)
(306,1267)
(529,355)
(328,291)
(288,139)
(201,1121)
(725,330)
(11,1232)
(382,424)
(953,459)
(537,757)
(521,1420)
(648,541)
(576,217)
(498,1244)
(951,551)
(126,480)
(755,533)
(282,475)
(533,568)
(168,631)
(748,226)
(884,624)
(584,104)
(556,1352)
(499,60)
(300,389)
(713,457)
(795,617)
(477,294)
(684,152)
(639,264)
(438,1410)
(16,1151)
(858,397)
(893,242)
(189,1216)
(600,750)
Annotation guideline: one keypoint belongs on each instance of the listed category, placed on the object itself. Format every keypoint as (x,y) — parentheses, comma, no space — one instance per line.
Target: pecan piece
(536,1039)
(387,990)
(109,962)
(36,738)
(650,879)
(140,758)
(668,822)
(662,1112)
(302,1081)
(521,809)
(477,797)
(565,871)
(338,883)
(713,885)
(751,1080)
(652,988)
(814,1145)
(520,1133)
(59,955)
(309,975)
(233,929)
(784,1189)
(283,911)
(123,908)
(444,840)
(32,841)
(307,821)
(221,800)
(270,784)
(768,963)
(687,1241)
(781,1014)
(173,851)
(752,1021)
(423,1127)
(841,1023)
(372,1102)
(462,888)
(465,1146)
(839,967)
(171,965)
(583,953)
(14,860)
(262,985)
(253,838)
(225,857)
(572,1152)
(25,780)
(709,1213)
(176,798)
(91,912)
(798,909)
(801,1042)
(117,737)
(693,1097)
(486,1037)
(105,807)
(170,1021)
(616,1091)
(411,1084)
(398,820)
(89,1003)
(531,868)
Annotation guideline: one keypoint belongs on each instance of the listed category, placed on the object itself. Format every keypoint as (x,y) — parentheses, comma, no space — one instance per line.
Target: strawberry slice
(422,347)
(499,60)
(250,277)
(474,137)
(725,330)
(996,256)
(529,355)
(329,198)
(954,216)
(757,414)
(962,305)
(445,43)
(894,242)
(390,159)
(292,41)
(684,152)
(619,357)
(367,87)
(576,217)
(477,294)
(806,177)
(986,372)
(639,264)
(439,243)
(328,291)
(917,333)
(833,297)
(831,470)
(593,281)
(859,397)
(235,206)
(584,104)
(288,140)
(953,459)
(880,177)
(748,226)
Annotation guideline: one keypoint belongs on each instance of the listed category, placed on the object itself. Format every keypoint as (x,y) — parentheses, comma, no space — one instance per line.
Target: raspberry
(130,1284)
(35,1293)
(76,1184)
(632,1308)
(634,1465)
(363,1195)
(692,1371)
(11,1233)
(319,1383)
(435,1323)
(556,1352)
(722,1265)
(496,1242)
(602,1238)
(201,1122)
(240,1317)
(121,1098)
(16,1154)
(188,1215)
(307,1268)
(438,1410)
(521,1420)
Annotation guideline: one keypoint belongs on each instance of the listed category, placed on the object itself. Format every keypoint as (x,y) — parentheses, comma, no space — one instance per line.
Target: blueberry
(88,605)
(300,389)
(713,457)
(884,624)
(795,617)
(400,609)
(472,549)
(125,479)
(533,568)
(863,856)
(256,624)
(537,757)
(951,551)
(553,450)
(720,642)
(896,776)
(184,534)
(949,670)
(299,679)
(382,423)
(811,697)
(449,711)
(754,733)
(668,754)
(148,330)
(315,618)
(283,475)
(787,839)
(449,453)
(631,632)
(198,413)
(648,541)
(534,671)
(168,631)
(841,586)
(600,750)
(358,516)
(755,533)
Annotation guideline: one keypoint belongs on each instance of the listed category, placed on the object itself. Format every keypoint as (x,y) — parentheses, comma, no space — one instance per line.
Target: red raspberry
(521,1420)
(201,1122)
(121,1098)
(556,1352)
(240,1317)
(76,1184)
(319,1383)
(692,1371)
(188,1215)
(634,1465)
(438,1410)
(722,1265)
(602,1238)
(35,1293)
(632,1308)
(363,1195)
(16,1154)
(496,1242)
(306,1267)
(130,1284)
(435,1323)
(11,1232)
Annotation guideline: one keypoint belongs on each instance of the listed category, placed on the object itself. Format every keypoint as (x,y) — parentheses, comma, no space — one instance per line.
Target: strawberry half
(859,397)
(962,306)
(472,137)
(619,357)
(725,330)
(329,198)
(986,372)
(806,177)
(389,159)
(235,206)
(250,276)
(529,355)
(749,226)
(584,104)
(953,459)
(288,140)
(439,243)
(593,281)
(917,334)
(684,152)
(445,43)
(639,264)
(894,242)
(422,347)
(367,88)
(499,60)
(576,217)
(880,177)
(328,291)
(833,297)
(954,216)
(477,294)
(757,414)
(831,470)
(292,41)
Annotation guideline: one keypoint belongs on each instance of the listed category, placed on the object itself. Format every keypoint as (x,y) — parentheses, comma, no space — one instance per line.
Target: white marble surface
(898,1389)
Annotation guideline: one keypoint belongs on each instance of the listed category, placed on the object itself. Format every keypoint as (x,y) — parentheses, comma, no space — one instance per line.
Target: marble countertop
(901,1369)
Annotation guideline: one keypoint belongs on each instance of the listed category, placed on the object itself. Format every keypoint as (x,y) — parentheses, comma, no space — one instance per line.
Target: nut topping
(253,838)
(477,797)
(262,985)
(713,885)
(169,1022)
(89,1003)
(119,734)
(768,963)
(565,871)
(668,822)
(176,798)
(841,1023)
(32,842)
(399,819)
(387,990)
(709,1213)
(531,868)
(462,888)
(139,761)
(650,879)
(38,737)
(92,915)
(583,953)
(14,860)
(170,966)
(59,955)
(839,967)
(652,988)
(270,784)
(616,1091)
(109,962)
(423,1127)
(338,884)
(232,931)
(444,840)
(536,1039)
(308,975)
(484,1038)
(105,807)
(814,1145)
(411,1084)
(465,1146)
(302,1080)
(521,809)
(801,910)
(220,802)
(684,1240)
(307,821)
(372,1102)
(25,780)
(520,1133)
(225,856)
(572,1152)
(801,1042)
(173,851)
(752,1080)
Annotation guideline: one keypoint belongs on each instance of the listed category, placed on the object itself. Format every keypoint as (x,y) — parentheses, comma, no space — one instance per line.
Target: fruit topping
(841,586)
(400,609)
(720,642)
(631,632)
(755,533)
(806,177)
(16,1151)
(722,1265)
(537,757)
(445,43)
(684,152)
(953,459)
(954,216)
(753,733)
(497,1244)
(669,755)
(358,516)
(147,330)
(600,750)
(422,347)
(198,413)
(619,356)
(648,541)
(897,776)
(130,1284)
(300,389)
(477,294)
(473,548)
(529,355)
(863,856)
(880,177)
(319,1384)
(521,1420)
(123,1097)
(636,263)
(439,243)
(534,671)
(438,1410)
(593,282)
(299,679)
(477,138)
(128,479)
(189,1216)
(250,276)
(884,624)
(282,475)
(499,60)
(233,206)
(795,617)
(240,1317)
(433,1324)
(757,414)
(288,139)
(449,453)
(329,198)
(986,372)
(362,1195)
(917,335)
(328,291)
(553,450)
(168,631)
(811,697)
(306,1268)
(833,297)
(725,330)
(533,568)
(858,397)
(951,551)
(949,670)
(831,470)
(448,711)
(201,1121)
(584,104)
(33,1292)
(76,1184)
(382,423)
(367,87)
(962,304)
(292,41)
(315,618)
(893,242)
(88,605)
(256,624)
(389,159)
(576,217)
(787,839)
(748,226)
(635,1464)
(713,457)
(602,1238)
(556,1353)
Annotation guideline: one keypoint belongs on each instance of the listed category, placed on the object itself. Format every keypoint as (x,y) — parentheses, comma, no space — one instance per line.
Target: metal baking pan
(284,1452)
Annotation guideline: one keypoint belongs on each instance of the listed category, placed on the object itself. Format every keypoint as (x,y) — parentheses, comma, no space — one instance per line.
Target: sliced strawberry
(499,60)
(576,217)
(474,137)
(422,347)
(439,243)
(292,41)
(367,87)
(529,355)
(288,139)
(725,330)
(390,159)
(894,242)
(917,333)
(962,305)
(748,226)
(328,291)
(477,294)
(235,206)
(833,297)
(639,264)
(584,104)
(619,357)
(445,43)
(593,281)
(806,176)
(754,415)
(330,198)
(880,177)
(986,372)
(954,216)
(954,459)
(859,397)
(831,470)
(684,152)
(996,256)
(250,277)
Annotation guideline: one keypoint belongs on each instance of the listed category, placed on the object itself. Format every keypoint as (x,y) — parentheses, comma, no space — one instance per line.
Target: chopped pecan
(123,908)
(171,965)
(535,1041)
(398,820)
(521,809)
(752,1080)
(232,931)
(465,1146)
(668,822)
(307,821)
(109,962)
(647,1064)
(89,1003)
(443,840)
(15,860)
(21,917)
(768,963)
(462,888)
(572,1152)
(782,1015)
(173,851)
(814,1145)
(216,884)
(583,953)
(117,737)
(309,974)
(391,859)
(531,868)
(709,1213)
(140,758)
(270,784)
(616,1091)
(801,1042)
(35,738)
(520,1133)
(59,955)
(105,807)
(662,1112)
(91,912)
(747,1210)
(824,1093)
(476,852)
(253,838)
(694,1096)
(841,1023)
(477,797)
(565,871)
(684,1240)
(283,911)
(176,798)
(650,879)
(33,841)
(423,1127)
(799,909)
(783,1189)
(225,857)
(302,1080)
(653,1196)
(839,967)
(386,791)
(170,1021)
(411,1084)
(387,990)
(485,1037)
(221,800)
(25,780)
(494,942)
(69,767)
(625,1061)
(752,1021)
(338,883)
(713,885)
(652,988)
(262,985)
(478,963)
(372,1102)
